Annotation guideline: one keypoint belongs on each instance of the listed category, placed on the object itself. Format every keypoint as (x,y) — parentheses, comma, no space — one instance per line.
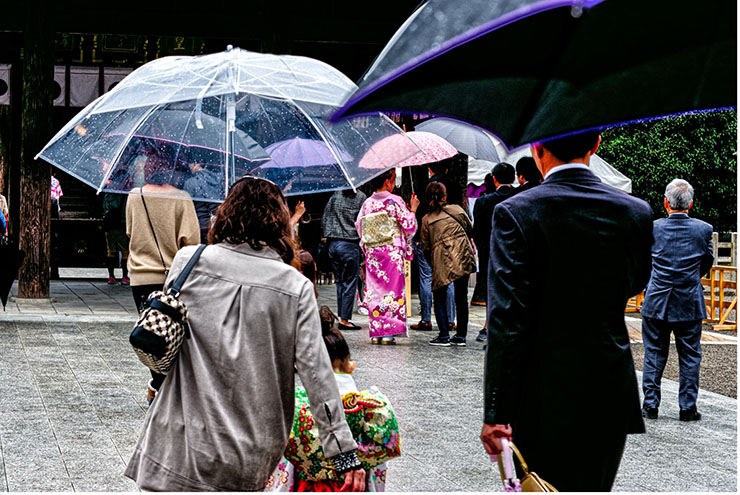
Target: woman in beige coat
(445,240)
(223,415)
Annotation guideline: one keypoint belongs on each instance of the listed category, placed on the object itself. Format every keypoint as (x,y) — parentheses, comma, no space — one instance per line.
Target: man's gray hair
(679,194)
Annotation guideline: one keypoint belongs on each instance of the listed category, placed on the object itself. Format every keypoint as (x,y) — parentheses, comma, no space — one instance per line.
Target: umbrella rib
(331,148)
(123,145)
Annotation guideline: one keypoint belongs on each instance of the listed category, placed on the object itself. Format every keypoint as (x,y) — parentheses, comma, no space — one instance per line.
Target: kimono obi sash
(379,229)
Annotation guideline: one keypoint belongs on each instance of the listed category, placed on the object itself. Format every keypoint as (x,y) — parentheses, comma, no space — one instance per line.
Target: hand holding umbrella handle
(414,202)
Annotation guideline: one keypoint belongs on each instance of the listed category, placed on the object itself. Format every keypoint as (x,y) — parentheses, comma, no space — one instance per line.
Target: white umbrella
(477,169)
(225,109)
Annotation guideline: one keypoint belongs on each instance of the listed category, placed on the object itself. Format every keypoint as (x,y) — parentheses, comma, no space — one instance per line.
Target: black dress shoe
(649,412)
(690,414)
(351,326)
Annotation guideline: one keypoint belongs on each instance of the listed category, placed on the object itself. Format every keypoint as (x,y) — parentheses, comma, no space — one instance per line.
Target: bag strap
(461,225)
(180,281)
(518,454)
(151,226)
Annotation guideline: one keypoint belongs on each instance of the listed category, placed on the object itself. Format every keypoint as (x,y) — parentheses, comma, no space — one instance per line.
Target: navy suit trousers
(656,335)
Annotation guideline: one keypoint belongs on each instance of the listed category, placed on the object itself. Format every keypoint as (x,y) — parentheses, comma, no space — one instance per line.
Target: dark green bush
(700,148)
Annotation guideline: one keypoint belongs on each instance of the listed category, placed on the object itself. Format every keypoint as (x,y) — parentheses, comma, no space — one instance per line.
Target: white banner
(114,75)
(83,85)
(60,84)
(5,84)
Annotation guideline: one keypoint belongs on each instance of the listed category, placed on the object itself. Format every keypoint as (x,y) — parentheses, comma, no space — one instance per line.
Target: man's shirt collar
(566,166)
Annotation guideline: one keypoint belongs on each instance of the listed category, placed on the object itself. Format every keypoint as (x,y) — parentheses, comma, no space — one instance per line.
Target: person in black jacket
(562,387)
(503,177)
(527,174)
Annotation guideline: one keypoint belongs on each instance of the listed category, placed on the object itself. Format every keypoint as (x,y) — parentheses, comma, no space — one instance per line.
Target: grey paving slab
(72,401)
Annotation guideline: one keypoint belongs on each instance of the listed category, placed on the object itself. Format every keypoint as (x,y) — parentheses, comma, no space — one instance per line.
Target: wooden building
(55,57)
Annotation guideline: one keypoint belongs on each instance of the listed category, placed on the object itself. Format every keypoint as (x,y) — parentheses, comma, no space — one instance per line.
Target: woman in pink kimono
(385,226)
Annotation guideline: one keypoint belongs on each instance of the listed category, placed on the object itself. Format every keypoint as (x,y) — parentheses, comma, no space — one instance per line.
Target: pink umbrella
(433,147)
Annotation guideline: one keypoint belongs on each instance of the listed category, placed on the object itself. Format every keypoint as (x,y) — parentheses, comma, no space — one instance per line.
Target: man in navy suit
(563,384)
(503,178)
(674,300)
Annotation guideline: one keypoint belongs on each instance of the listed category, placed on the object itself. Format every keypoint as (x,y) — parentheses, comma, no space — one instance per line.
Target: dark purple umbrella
(302,152)
(529,70)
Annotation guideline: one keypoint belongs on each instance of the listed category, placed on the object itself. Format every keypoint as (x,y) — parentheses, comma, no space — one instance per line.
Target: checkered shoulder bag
(163,324)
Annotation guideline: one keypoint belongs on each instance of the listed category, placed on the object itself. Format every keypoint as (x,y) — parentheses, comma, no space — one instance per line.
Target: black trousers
(141,293)
(580,462)
(461,307)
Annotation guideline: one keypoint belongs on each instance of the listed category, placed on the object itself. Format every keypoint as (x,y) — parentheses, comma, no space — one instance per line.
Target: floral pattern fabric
(385,267)
(372,422)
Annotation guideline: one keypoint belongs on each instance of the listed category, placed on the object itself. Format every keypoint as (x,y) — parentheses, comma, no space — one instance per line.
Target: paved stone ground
(72,402)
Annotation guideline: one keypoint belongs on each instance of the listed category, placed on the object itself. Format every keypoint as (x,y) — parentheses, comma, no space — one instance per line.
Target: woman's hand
(354,481)
(300,209)
(414,203)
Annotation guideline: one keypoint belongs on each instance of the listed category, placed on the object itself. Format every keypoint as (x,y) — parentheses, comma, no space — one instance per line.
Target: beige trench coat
(223,415)
(445,244)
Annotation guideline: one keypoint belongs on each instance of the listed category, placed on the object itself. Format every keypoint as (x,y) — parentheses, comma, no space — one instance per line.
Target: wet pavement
(72,400)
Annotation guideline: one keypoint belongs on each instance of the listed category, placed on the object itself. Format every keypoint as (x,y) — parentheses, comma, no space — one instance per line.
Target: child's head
(341,359)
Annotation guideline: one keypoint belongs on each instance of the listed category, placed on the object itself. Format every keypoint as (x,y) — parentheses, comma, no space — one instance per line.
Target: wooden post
(38,74)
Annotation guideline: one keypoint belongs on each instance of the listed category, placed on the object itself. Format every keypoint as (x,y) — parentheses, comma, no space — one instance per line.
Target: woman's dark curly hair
(434,193)
(254,212)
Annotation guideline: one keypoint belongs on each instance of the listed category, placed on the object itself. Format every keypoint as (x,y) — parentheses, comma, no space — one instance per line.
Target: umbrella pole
(230,132)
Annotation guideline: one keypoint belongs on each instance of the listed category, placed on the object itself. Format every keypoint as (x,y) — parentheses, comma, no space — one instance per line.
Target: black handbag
(163,324)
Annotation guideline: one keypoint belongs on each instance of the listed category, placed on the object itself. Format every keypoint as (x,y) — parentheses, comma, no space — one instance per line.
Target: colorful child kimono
(375,430)
(386,226)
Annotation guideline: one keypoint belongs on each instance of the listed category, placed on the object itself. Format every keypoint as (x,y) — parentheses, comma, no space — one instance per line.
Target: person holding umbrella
(549,377)
(160,219)
(337,227)
(445,240)
(386,225)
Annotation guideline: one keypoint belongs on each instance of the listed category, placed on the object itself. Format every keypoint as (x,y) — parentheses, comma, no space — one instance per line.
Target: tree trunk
(38,73)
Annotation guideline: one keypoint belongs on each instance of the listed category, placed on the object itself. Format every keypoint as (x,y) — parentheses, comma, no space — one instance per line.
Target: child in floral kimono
(295,476)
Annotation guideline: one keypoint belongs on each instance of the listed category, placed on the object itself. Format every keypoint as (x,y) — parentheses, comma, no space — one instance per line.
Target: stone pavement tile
(99,474)
(31,457)
(72,309)
(3,477)
(409,474)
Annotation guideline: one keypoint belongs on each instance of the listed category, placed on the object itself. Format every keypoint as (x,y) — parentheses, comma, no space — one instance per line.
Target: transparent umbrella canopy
(214,118)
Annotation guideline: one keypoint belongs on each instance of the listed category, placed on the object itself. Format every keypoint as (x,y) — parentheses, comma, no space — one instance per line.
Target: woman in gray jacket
(222,418)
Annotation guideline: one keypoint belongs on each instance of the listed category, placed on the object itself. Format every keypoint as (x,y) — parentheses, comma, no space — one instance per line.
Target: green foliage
(700,148)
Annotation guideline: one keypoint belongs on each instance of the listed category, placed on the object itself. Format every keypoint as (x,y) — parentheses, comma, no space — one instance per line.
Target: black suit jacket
(483,218)
(565,257)
(526,186)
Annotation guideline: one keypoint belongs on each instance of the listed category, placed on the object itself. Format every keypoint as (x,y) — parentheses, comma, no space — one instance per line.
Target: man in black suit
(503,177)
(563,385)
(527,174)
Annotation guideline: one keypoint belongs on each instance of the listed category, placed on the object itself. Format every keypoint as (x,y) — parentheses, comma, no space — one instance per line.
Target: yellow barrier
(719,305)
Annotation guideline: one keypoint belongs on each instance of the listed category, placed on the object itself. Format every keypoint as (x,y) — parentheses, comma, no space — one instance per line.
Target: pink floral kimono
(385,226)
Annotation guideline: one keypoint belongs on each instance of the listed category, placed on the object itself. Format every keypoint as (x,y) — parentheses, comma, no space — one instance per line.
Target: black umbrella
(529,70)
(11,258)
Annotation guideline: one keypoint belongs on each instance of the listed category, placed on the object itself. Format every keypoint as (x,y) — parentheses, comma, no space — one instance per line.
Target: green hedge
(699,148)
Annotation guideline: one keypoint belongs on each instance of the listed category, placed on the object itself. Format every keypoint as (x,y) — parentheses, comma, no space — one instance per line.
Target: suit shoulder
(701,224)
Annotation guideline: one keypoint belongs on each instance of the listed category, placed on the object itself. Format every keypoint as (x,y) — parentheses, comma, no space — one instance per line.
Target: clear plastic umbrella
(219,114)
